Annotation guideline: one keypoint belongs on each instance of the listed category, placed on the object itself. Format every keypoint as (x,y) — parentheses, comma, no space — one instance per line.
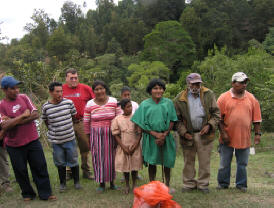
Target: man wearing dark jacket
(198,116)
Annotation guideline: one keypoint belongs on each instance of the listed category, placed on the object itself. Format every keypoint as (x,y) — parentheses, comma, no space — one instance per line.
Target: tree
(39,29)
(155,11)
(216,71)
(70,15)
(142,73)
(60,43)
(269,41)
(172,45)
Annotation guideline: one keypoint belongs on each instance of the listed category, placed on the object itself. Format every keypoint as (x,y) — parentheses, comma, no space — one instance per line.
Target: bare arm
(224,135)
(12,122)
(33,116)
(124,148)
(257,129)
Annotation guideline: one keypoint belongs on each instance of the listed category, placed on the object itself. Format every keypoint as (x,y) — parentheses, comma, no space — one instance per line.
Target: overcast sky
(15,14)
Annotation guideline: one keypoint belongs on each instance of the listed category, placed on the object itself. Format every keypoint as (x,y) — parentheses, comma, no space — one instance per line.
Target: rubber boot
(75,176)
(62,178)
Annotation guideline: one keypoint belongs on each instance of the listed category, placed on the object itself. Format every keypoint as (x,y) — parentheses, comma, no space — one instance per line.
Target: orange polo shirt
(238,115)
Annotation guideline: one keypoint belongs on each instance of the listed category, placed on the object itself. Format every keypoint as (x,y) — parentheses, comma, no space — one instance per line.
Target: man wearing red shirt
(80,94)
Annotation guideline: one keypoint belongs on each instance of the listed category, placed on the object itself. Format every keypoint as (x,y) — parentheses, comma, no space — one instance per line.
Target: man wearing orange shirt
(239,109)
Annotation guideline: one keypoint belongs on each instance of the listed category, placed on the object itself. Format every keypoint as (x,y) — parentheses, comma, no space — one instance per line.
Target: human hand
(157,135)
(257,139)
(160,142)
(188,136)
(132,148)
(5,118)
(26,113)
(205,129)
(225,137)
(126,150)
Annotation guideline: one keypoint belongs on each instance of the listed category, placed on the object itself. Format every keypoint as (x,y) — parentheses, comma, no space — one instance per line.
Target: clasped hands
(204,130)
(160,137)
(129,150)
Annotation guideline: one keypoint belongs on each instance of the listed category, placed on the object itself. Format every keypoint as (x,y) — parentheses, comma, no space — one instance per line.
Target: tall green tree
(269,41)
(172,45)
(71,15)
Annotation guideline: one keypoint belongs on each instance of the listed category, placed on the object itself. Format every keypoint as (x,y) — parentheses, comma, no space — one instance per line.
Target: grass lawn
(260,186)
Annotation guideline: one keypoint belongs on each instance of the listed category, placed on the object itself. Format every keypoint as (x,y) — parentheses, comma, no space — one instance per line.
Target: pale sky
(15,14)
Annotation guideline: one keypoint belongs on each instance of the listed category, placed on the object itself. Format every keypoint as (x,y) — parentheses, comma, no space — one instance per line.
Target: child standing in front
(128,156)
(58,114)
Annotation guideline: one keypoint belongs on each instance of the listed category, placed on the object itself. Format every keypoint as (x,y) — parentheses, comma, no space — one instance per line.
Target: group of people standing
(123,136)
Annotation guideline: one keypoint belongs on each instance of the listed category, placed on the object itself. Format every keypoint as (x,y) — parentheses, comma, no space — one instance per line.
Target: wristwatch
(258,133)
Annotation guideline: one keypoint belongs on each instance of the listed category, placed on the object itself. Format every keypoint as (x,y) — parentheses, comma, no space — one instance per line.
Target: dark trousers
(33,154)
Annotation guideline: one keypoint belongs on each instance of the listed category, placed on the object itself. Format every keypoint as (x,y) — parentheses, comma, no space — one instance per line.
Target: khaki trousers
(189,172)
(83,144)
(4,166)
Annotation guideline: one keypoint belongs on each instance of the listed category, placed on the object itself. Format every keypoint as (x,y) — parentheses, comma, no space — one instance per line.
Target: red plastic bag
(153,195)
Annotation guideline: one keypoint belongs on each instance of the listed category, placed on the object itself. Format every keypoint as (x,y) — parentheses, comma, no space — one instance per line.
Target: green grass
(260,186)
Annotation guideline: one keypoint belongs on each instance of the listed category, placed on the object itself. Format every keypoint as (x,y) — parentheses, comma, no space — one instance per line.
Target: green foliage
(136,40)
(143,72)
(60,43)
(172,45)
(217,70)
(269,41)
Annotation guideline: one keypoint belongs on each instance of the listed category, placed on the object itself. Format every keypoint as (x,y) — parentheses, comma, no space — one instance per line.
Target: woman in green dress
(156,117)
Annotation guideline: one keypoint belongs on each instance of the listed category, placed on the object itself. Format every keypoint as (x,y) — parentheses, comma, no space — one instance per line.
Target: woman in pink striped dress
(98,115)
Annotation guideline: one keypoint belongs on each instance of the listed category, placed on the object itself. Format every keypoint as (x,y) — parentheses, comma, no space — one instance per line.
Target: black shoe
(204,190)
(87,175)
(242,189)
(219,187)
(184,189)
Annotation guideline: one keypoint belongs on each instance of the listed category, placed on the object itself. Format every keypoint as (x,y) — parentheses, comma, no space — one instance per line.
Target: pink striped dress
(97,123)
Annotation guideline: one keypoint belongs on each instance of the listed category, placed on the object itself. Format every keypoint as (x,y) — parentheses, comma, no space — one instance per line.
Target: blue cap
(9,81)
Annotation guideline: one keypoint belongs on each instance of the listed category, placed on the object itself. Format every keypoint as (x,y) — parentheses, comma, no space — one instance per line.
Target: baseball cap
(194,78)
(9,81)
(239,77)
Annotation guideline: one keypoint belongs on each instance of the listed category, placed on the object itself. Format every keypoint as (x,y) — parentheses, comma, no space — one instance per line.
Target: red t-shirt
(22,134)
(80,96)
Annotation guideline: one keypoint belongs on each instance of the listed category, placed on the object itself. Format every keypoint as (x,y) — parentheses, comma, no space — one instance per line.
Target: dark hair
(124,89)
(123,103)
(71,70)
(53,85)
(153,83)
(102,83)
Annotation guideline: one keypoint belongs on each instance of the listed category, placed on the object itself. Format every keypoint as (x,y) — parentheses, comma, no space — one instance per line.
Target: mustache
(194,90)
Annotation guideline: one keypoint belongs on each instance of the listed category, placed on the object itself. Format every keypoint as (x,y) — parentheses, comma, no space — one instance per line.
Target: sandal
(100,190)
(52,198)
(27,199)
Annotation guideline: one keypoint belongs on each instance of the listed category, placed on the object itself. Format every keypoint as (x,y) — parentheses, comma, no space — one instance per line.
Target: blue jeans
(65,154)
(226,154)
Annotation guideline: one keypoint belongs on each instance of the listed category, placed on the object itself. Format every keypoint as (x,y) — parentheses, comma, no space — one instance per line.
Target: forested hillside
(136,40)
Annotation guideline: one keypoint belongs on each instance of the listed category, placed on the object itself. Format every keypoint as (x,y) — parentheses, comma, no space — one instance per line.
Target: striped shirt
(59,120)
(100,115)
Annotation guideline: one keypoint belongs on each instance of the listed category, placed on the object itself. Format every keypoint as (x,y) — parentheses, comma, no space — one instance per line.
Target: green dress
(156,117)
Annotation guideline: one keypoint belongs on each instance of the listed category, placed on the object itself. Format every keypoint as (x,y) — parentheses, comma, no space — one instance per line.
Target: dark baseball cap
(194,78)
(9,81)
